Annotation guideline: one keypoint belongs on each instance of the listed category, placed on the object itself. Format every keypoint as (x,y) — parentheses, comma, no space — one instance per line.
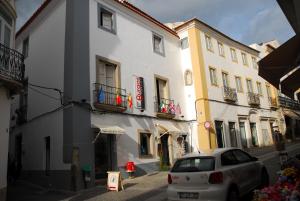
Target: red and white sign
(207,125)
(140,93)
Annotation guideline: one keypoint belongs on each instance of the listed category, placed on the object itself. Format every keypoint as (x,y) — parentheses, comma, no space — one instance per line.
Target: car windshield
(195,164)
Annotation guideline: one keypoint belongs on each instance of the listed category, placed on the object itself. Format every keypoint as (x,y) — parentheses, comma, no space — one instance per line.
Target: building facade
(234,106)
(105,87)
(11,78)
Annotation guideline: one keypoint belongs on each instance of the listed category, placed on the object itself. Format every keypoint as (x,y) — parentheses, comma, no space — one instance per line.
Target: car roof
(212,152)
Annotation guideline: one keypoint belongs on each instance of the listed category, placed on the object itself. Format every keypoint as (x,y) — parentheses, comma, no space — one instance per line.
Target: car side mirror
(254,158)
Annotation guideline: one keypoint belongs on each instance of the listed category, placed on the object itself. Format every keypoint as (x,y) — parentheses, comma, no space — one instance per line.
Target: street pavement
(147,188)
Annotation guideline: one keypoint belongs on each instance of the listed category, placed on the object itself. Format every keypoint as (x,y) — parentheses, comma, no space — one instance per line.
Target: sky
(248,21)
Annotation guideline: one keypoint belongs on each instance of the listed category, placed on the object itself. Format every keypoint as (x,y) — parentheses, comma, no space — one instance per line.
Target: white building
(88,60)
(11,77)
(231,99)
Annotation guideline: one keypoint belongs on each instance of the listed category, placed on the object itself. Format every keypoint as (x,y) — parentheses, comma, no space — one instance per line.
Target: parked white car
(225,174)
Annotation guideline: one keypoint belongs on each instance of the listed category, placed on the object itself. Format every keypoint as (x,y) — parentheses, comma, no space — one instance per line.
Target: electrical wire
(42,93)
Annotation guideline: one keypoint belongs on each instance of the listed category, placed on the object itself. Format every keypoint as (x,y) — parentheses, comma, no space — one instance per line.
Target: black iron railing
(229,94)
(253,99)
(11,64)
(166,106)
(110,96)
(288,103)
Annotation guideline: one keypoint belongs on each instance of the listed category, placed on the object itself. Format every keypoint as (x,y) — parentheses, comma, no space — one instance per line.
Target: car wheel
(264,178)
(233,195)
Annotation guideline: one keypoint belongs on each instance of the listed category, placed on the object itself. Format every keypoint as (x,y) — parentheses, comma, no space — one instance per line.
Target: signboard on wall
(140,93)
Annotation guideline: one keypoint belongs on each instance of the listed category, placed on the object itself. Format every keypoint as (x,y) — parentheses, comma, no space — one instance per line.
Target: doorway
(220,133)
(232,133)
(254,134)
(243,134)
(165,150)
(105,155)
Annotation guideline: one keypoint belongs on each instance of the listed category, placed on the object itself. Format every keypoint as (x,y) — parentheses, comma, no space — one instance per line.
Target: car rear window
(195,164)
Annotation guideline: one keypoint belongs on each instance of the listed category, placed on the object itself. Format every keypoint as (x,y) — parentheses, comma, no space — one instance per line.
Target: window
(188,78)
(238,82)
(244,58)
(233,55)
(208,43)
(254,63)
(106,74)
(196,164)
(158,44)
(162,91)
(228,158)
(106,19)
(7,35)
(268,90)
(259,89)
(184,43)
(241,156)
(225,79)
(249,85)
(145,144)
(221,49)
(25,47)
(213,76)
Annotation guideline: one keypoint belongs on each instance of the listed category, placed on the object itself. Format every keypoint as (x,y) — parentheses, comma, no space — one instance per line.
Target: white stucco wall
(4,135)
(44,67)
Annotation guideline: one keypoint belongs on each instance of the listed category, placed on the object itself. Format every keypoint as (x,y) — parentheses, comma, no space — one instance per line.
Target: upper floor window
(225,79)
(188,78)
(233,55)
(162,89)
(106,19)
(244,58)
(254,63)
(268,90)
(184,43)
(158,44)
(249,85)
(221,49)
(145,144)
(239,86)
(259,89)
(7,36)
(209,45)
(213,76)
(106,73)
(25,47)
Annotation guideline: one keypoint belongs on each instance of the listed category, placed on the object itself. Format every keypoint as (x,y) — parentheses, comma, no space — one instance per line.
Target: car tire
(264,178)
(233,195)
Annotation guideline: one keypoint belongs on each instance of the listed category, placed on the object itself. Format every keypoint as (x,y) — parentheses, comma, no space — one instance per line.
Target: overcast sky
(248,21)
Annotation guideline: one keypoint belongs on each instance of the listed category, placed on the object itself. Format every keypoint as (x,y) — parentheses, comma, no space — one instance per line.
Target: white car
(225,174)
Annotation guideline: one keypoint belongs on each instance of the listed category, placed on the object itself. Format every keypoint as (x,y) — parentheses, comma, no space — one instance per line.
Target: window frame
(241,84)
(254,62)
(244,59)
(249,79)
(209,44)
(268,88)
(114,19)
(187,43)
(162,43)
(259,88)
(150,144)
(188,73)
(214,70)
(25,49)
(222,54)
(233,56)
(227,78)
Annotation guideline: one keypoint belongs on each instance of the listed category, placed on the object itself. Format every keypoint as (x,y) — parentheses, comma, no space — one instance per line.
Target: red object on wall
(130,167)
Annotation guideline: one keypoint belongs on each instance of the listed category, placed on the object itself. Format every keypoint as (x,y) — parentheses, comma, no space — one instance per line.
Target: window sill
(159,53)
(108,30)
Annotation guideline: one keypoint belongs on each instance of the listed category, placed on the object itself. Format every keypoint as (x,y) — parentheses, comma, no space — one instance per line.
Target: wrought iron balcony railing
(288,103)
(253,99)
(273,102)
(165,108)
(11,64)
(229,94)
(110,98)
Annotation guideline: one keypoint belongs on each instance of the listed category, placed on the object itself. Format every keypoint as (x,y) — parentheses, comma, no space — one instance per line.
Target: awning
(292,114)
(291,9)
(114,130)
(168,128)
(291,84)
(281,61)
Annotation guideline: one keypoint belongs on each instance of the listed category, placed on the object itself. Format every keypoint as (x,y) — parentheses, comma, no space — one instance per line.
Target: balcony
(253,99)
(273,103)
(11,67)
(288,103)
(229,94)
(165,108)
(107,98)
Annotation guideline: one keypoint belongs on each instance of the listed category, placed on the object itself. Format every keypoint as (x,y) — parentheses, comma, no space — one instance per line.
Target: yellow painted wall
(207,139)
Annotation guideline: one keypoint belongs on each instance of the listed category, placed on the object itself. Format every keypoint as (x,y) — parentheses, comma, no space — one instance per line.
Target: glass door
(243,134)
(254,134)
(232,133)
(220,133)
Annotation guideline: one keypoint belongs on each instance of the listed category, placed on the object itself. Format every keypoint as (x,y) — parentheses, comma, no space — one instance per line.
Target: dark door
(219,132)
(232,133)
(165,150)
(243,134)
(47,161)
(105,155)
(18,153)
(254,134)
